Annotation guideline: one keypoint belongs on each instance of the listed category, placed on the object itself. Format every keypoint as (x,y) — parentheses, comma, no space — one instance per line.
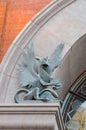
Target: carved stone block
(33,116)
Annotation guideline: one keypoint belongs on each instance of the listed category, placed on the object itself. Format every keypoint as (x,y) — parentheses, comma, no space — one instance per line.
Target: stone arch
(36,31)
(73,65)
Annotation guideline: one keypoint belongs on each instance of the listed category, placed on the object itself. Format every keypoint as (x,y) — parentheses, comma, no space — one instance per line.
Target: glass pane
(74,106)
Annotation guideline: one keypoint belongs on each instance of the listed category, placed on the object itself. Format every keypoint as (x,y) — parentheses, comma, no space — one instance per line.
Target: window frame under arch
(74,93)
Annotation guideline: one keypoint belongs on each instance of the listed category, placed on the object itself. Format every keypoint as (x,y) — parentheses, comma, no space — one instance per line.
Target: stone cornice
(33,116)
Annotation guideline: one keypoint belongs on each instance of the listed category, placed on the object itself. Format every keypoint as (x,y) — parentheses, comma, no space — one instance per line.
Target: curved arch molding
(56,23)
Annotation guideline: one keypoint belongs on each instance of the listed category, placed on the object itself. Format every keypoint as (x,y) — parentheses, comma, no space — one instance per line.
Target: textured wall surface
(14,15)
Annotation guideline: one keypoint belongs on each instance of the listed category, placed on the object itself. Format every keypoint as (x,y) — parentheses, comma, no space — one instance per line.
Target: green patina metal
(36,81)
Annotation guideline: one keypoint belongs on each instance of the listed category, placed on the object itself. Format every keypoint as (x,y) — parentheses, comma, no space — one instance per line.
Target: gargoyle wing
(27,70)
(56,57)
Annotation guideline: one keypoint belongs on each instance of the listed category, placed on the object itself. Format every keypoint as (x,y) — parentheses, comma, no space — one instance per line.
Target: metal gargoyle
(35,77)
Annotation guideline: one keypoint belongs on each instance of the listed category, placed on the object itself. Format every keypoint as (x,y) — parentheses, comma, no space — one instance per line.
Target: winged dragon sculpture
(35,76)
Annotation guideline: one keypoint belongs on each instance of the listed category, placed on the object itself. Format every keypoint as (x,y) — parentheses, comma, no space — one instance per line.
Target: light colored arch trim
(30,30)
(73,65)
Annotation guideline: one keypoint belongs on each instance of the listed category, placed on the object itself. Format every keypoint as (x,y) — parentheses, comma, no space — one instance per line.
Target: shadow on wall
(73,65)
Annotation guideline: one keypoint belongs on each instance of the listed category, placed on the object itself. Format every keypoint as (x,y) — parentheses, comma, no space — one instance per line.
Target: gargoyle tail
(49,90)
